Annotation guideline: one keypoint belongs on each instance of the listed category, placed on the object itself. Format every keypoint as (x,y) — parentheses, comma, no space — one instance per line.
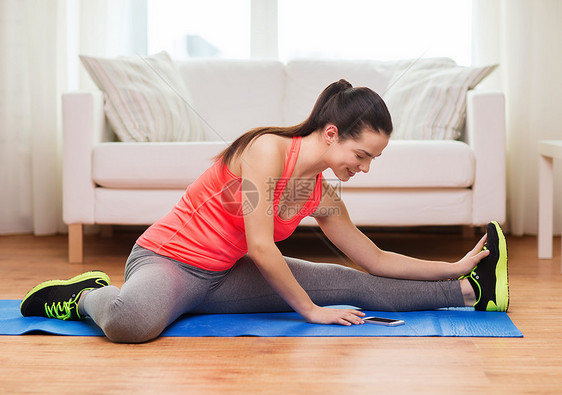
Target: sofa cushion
(234,96)
(306,79)
(427,97)
(417,164)
(406,164)
(406,207)
(145,98)
(152,165)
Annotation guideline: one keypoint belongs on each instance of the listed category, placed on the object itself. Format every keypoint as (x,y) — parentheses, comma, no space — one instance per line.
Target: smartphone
(383,321)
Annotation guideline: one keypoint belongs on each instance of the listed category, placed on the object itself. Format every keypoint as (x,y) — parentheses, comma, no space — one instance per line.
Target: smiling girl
(215,251)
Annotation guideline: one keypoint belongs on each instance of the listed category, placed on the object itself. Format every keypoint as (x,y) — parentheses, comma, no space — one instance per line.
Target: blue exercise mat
(463,322)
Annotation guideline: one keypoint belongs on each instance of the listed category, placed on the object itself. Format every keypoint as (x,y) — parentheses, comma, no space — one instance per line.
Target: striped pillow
(427,99)
(145,98)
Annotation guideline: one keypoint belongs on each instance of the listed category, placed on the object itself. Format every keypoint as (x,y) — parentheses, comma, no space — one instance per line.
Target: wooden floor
(533,364)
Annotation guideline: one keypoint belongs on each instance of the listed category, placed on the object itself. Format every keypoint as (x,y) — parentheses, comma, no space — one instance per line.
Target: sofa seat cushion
(404,164)
(152,165)
(417,164)
(402,207)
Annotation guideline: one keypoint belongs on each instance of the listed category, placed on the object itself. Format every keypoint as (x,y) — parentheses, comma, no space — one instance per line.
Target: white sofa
(415,182)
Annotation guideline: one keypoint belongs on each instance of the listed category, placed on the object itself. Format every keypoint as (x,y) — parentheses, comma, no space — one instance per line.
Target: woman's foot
(59,298)
(489,278)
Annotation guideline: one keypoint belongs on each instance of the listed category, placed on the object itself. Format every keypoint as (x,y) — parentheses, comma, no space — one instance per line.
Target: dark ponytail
(350,109)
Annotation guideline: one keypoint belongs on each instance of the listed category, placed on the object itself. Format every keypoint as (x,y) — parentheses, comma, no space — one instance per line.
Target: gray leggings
(157,290)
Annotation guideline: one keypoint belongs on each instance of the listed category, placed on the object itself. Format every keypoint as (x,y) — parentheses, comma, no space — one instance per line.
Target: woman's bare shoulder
(271,142)
(269,147)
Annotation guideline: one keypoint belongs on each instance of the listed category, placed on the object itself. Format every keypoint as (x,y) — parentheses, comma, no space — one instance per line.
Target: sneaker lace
(60,310)
(63,310)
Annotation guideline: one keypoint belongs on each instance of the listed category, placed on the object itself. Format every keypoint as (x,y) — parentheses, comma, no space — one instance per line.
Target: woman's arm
(360,249)
(261,167)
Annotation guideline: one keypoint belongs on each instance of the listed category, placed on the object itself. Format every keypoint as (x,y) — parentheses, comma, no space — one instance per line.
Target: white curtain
(525,38)
(39,45)
(29,116)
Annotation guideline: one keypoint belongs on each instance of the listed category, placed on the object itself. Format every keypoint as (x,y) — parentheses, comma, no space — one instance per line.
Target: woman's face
(351,156)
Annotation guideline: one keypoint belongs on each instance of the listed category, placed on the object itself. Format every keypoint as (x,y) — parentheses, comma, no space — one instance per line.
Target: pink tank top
(206,227)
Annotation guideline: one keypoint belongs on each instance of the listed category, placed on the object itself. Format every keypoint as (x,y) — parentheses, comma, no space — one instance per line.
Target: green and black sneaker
(59,298)
(489,278)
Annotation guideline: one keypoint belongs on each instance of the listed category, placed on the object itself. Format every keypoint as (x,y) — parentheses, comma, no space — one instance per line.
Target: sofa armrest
(83,127)
(485,133)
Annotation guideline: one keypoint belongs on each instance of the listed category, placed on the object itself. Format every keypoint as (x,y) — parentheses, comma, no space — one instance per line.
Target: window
(196,28)
(375,29)
(360,29)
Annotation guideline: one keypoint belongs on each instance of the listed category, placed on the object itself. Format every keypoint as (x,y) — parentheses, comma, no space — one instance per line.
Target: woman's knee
(129,325)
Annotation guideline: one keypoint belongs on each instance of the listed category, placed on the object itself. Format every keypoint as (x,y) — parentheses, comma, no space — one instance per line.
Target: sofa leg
(75,243)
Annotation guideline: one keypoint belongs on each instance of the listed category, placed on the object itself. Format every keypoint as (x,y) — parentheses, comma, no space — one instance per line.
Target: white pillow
(427,98)
(145,98)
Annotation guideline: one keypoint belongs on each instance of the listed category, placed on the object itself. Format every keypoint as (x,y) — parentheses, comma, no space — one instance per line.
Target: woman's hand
(326,315)
(470,260)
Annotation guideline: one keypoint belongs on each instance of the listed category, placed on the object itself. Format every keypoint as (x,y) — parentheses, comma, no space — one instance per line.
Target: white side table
(548,150)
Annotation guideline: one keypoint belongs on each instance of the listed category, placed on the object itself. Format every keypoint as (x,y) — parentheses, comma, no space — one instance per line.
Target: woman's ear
(330,134)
